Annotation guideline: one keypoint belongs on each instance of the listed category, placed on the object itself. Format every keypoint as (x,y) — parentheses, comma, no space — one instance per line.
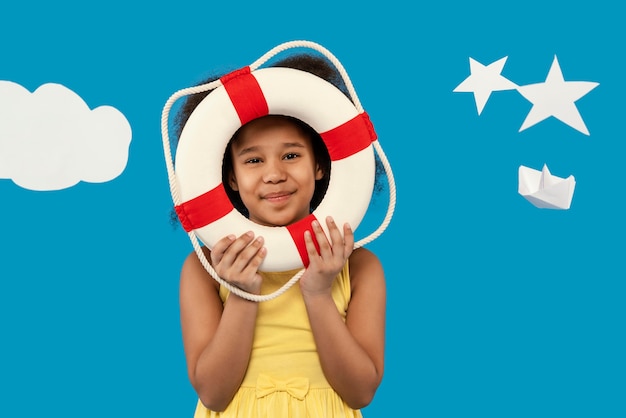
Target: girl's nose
(274,172)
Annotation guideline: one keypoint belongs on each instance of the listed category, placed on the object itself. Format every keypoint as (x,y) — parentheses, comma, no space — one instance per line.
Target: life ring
(245,95)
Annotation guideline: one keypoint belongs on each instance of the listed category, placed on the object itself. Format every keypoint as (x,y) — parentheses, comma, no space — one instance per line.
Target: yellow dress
(284,378)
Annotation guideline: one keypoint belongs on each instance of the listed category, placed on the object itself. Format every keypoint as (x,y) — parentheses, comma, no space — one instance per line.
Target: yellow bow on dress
(297,387)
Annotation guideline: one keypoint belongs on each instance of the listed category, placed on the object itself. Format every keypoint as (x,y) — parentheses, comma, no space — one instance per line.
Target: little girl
(318,349)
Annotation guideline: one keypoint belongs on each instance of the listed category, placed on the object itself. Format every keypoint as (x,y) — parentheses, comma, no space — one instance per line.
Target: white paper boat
(544,190)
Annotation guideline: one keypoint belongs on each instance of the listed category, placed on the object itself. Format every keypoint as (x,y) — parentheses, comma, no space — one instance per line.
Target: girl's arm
(351,353)
(218,337)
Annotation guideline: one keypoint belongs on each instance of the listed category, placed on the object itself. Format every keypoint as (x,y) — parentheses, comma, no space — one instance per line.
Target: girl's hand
(325,266)
(237,261)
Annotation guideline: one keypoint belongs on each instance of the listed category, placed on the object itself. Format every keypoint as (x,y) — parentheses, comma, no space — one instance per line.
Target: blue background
(495,308)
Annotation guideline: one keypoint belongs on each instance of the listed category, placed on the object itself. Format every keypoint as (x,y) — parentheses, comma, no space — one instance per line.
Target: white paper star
(556,97)
(483,80)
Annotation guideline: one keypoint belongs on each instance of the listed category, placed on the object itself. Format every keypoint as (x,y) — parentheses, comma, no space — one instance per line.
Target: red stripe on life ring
(245,94)
(349,138)
(296,230)
(204,209)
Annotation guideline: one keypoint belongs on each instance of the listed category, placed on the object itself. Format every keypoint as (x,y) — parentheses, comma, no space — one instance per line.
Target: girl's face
(274,171)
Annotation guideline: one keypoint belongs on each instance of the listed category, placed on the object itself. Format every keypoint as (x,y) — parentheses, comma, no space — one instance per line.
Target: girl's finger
(335,234)
(247,254)
(256,260)
(310,245)
(322,241)
(236,246)
(220,248)
(348,240)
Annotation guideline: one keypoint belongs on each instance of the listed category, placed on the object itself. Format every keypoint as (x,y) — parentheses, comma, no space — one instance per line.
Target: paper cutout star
(556,97)
(483,80)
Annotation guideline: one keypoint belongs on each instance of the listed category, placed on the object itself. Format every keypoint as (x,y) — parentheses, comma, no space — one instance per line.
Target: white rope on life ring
(196,184)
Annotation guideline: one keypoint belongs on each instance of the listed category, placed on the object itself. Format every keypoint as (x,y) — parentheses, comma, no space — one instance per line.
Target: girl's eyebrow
(247,150)
(254,148)
(293,145)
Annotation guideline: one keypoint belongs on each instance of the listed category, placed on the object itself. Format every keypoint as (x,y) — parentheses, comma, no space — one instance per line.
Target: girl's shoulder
(365,266)
(362,257)
(194,275)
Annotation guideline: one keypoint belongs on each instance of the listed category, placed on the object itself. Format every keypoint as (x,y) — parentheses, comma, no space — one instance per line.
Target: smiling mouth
(277,197)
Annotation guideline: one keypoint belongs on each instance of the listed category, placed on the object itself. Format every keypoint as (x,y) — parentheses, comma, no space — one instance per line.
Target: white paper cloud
(50,139)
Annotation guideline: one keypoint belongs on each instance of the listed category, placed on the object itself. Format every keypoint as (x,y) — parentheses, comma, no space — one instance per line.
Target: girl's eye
(291,156)
(253,160)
